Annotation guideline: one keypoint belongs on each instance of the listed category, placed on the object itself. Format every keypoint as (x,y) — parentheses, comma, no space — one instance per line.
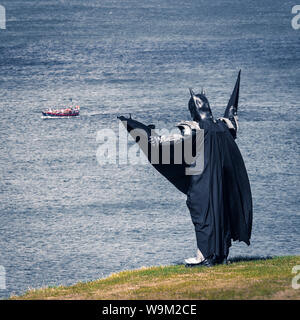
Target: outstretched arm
(174,168)
(230,115)
(134,124)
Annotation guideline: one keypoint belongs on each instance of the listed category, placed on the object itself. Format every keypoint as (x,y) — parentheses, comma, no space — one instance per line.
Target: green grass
(247,279)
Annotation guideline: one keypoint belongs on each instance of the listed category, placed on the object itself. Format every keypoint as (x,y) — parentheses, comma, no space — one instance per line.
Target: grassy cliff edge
(269,278)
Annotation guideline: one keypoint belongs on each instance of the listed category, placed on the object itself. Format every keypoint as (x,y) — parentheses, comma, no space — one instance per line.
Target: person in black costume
(217,187)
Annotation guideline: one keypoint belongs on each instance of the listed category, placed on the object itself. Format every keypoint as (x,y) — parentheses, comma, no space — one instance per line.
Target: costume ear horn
(192,93)
(234,99)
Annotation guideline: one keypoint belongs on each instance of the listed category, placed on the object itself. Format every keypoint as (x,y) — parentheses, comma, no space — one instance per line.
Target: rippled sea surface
(64,217)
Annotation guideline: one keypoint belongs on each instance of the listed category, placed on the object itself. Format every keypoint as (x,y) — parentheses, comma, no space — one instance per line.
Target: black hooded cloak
(219,197)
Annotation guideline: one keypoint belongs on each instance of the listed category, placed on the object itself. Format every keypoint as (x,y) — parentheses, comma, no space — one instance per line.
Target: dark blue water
(64,217)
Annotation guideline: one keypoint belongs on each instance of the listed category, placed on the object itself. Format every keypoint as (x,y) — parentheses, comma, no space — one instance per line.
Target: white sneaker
(198,259)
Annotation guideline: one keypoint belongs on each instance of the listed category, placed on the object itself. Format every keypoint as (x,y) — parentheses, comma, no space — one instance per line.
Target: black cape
(219,199)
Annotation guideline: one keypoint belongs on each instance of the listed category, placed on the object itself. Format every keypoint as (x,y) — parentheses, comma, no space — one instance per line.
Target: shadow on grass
(238,259)
(248,258)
